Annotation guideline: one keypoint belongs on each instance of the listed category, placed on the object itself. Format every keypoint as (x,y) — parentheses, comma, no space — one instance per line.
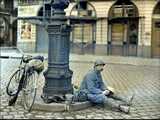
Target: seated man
(97,93)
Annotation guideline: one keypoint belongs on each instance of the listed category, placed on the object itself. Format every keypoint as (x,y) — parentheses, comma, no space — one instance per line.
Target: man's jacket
(93,86)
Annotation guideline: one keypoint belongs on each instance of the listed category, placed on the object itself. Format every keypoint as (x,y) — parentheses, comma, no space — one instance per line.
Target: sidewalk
(88,58)
(6,52)
(116,60)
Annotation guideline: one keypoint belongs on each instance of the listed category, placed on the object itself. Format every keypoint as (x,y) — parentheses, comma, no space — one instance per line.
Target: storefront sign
(26,30)
(25,11)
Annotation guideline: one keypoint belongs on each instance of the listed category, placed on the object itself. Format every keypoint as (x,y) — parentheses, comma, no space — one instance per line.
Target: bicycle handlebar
(39,58)
(27,58)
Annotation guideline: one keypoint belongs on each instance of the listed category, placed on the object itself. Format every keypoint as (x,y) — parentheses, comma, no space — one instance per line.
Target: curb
(60,107)
(11,48)
(56,107)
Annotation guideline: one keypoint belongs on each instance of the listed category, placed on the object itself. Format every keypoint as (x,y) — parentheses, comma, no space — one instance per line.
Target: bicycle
(25,79)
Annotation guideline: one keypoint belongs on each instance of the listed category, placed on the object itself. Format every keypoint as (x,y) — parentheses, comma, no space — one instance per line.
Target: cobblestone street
(143,80)
(80,59)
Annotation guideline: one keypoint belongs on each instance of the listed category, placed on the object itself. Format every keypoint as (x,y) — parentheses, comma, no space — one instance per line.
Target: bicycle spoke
(12,86)
(29,91)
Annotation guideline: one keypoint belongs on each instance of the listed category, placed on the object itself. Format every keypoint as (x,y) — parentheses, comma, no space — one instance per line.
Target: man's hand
(106,92)
(110,89)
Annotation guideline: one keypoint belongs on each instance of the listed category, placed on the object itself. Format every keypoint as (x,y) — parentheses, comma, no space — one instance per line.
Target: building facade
(107,27)
(8,23)
(32,37)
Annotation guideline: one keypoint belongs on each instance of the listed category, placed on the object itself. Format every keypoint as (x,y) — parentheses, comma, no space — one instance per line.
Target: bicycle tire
(30,90)
(12,86)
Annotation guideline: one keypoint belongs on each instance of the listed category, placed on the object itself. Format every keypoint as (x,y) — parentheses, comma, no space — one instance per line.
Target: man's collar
(96,71)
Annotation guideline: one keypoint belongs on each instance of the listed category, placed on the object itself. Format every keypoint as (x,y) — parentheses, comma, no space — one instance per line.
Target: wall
(145,9)
(27,39)
(102,8)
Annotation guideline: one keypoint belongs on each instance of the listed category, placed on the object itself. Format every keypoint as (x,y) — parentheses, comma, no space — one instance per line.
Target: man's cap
(99,62)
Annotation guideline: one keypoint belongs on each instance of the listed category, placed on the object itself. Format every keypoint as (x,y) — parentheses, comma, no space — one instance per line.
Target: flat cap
(99,62)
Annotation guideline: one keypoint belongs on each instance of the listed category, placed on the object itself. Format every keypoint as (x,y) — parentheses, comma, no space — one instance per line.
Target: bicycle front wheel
(30,89)
(12,86)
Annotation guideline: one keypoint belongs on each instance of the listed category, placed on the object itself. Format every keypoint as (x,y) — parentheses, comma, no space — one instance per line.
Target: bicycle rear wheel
(12,86)
(30,90)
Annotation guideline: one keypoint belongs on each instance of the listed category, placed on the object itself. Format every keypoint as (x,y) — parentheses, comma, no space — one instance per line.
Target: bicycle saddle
(26,59)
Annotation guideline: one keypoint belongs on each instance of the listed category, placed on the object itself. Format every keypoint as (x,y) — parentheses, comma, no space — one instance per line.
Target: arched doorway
(14,27)
(123,28)
(155,43)
(6,23)
(41,33)
(14,34)
(4,31)
(83,22)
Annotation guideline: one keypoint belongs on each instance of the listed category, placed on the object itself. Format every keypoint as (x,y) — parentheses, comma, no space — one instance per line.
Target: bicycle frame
(22,81)
(27,71)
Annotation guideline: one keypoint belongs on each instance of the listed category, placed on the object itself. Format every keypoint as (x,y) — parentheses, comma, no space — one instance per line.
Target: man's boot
(125,109)
(114,104)
(129,100)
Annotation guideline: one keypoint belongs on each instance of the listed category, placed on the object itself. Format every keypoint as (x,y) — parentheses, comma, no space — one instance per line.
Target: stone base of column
(57,107)
(57,84)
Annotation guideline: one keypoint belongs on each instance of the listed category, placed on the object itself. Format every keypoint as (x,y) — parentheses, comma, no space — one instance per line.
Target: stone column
(58,75)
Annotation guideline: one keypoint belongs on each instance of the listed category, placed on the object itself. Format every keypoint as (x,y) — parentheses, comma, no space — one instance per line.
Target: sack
(38,65)
(80,96)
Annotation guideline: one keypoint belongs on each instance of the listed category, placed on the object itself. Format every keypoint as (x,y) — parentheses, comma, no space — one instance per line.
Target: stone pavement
(130,60)
(142,78)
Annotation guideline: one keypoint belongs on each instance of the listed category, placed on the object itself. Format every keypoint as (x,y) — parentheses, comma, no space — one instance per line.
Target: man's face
(99,67)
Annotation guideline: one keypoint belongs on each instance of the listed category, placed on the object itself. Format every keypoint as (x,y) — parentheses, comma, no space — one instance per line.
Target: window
(129,11)
(123,11)
(3,28)
(157,9)
(83,9)
(133,34)
(157,25)
(45,12)
(48,10)
(82,5)
(118,12)
(1,3)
